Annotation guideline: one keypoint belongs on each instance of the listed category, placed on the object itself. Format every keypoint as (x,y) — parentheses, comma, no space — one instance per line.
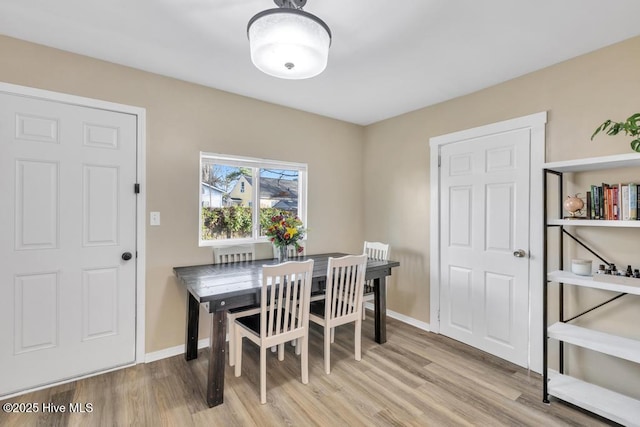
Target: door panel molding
(535,123)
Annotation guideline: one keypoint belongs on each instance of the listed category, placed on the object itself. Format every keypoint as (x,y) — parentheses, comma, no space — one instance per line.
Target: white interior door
(484,287)
(67,296)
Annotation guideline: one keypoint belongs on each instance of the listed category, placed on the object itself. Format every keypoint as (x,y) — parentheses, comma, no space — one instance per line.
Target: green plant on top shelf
(630,127)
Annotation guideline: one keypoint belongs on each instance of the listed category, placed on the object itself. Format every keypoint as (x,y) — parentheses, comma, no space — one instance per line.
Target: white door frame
(140,114)
(536,124)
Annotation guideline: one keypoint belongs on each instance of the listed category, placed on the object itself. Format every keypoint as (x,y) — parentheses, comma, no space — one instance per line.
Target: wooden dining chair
(283,317)
(227,255)
(376,251)
(343,301)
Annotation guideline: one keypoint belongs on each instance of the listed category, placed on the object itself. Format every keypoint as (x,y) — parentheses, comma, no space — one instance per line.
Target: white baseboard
(172,351)
(406,319)
(203,343)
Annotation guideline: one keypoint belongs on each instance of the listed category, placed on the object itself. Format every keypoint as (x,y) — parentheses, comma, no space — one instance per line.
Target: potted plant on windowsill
(630,127)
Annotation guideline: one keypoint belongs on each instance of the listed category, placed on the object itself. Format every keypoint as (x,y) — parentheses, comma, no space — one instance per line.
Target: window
(239,195)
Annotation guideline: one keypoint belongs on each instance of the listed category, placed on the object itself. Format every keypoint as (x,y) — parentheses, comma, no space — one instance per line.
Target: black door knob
(127,256)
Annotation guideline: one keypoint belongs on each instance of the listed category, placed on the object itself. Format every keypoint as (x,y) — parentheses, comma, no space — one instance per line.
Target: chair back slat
(231,254)
(345,281)
(286,290)
(376,250)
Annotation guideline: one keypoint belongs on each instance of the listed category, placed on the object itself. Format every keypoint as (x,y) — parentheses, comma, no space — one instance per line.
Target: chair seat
(253,322)
(317,308)
(315,296)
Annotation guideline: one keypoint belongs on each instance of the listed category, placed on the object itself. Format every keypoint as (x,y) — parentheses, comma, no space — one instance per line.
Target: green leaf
(614,129)
(635,145)
(600,128)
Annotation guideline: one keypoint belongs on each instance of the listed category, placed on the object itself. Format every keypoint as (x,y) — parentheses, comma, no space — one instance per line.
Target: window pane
(226,201)
(278,194)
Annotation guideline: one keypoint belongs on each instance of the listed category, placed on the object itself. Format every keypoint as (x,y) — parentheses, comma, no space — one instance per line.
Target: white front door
(67,296)
(484,214)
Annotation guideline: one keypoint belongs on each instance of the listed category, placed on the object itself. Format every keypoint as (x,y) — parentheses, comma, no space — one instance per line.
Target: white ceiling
(386,58)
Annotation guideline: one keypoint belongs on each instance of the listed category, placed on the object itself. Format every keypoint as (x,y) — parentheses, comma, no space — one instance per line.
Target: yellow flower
(292,231)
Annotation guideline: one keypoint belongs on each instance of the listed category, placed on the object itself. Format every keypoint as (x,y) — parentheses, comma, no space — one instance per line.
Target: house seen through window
(239,195)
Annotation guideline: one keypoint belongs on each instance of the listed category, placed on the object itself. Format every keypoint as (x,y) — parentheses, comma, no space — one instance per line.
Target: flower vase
(283,253)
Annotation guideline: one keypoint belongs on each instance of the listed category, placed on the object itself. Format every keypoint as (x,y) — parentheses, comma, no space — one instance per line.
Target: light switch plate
(154,218)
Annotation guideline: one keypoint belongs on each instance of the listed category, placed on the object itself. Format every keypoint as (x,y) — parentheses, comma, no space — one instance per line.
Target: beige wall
(578,94)
(182,120)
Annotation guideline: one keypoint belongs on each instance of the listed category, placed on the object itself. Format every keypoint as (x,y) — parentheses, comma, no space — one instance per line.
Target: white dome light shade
(289,43)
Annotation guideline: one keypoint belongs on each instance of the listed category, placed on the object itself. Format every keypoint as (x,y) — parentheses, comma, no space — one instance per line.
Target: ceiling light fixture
(288,42)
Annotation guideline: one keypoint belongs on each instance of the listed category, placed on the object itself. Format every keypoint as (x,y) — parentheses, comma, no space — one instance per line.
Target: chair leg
(327,348)
(304,359)
(364,312)
(232,330)
(263,375)
(298,344)
(281,352)
(237,343)
(333,335)
(358,339)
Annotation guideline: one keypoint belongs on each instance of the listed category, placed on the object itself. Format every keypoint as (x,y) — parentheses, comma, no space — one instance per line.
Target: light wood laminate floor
(416,379)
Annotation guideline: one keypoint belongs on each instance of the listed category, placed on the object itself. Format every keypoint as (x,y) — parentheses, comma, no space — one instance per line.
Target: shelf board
(624,348)
(596,163)
(609,404)
(587,281)
(594,223)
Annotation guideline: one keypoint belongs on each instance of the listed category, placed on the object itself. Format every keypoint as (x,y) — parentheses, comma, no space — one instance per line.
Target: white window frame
(255,164)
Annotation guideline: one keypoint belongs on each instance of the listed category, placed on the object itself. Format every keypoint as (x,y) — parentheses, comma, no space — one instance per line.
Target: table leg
(380,302)
(217,364)
(193,310)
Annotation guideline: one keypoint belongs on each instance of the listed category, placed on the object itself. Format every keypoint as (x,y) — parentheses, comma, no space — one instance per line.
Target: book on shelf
(613,201)
(633,201)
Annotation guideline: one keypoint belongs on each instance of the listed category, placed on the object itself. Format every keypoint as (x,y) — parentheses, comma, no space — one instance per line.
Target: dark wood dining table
(222,287)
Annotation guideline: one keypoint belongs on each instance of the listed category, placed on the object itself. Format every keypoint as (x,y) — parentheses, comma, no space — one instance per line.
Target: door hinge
(439,159)
(438,315)
(136,188)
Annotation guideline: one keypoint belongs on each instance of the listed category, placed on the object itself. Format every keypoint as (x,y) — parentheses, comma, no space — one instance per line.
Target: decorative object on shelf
(620,280)
(288,42)
(285,231)
(630,127)
(573,205)
(581,267)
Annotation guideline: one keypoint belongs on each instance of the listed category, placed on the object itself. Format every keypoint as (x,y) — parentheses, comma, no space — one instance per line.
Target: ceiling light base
(290,3)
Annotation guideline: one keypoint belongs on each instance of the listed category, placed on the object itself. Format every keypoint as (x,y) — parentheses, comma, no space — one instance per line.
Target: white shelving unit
(594,223)
(607,403)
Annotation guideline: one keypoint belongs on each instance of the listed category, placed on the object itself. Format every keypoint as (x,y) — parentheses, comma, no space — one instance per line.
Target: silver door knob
(520,253)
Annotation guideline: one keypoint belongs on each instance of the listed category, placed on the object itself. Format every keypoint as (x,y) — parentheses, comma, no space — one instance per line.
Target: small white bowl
(581,267)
